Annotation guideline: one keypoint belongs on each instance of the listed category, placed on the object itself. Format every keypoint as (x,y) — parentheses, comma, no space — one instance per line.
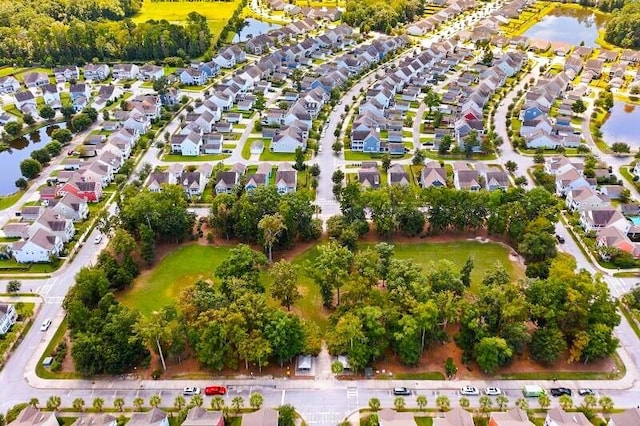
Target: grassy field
(216,12)
(267,155)
(10,200)
(190,263)
(205,157)
(424,421)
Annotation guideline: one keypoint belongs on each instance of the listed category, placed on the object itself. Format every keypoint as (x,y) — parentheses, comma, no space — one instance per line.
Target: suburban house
(189,144)
(630,416)
(150,72)
(614,237)
(198,416)
(225,182)
(31,416)
(124,71)
(39,247)
(90,191)
(558,417)
(55,224)
(289,140)
(96,72)
(193,183)
(397,175)
(35,79)
(153,417)
(467,179)
(390,417)
(455,417)
(369,176)
(26,102)
(512,417)
(596,219)
(51,96)
(586,198)
(70,207)
(95,419)
(9,84)
(66,73)
(262,417)
(433,174)
(8,317)
(286,178)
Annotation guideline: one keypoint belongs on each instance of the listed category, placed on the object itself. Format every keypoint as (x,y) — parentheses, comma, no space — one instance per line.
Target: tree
(299,159)
(374,404)
(53,148)
(271,226)
(445,145)
(196,401)
(34,402)
(538,158)
(399,403)
(522,404)
(337,367)
(337,177)
(443,403)
(421,400)
(256,400)
(314,170)
(260,104)
(511,166)
(42,156)
(502,402)
(63,136)
(465,272)
(470,141)
(606,403)
(418,158)
(578,107)
(485,403)
(330,270)
(217,403)
(21,183)
(336,147)
(547,344)
(450,368)
(179,402)
(13,128)
(80,122)
(285,283)
(566,402)
(138,403)
(620,148)
(544,401)
(492,353)
(53,403)
(237,403)
(47,112)
(464,402)
(590,401)
(118,403)
(78,404)
(386,161)
(286,415)
(30,168)
(98,403)
(160,85)
(155,400)
(13,286)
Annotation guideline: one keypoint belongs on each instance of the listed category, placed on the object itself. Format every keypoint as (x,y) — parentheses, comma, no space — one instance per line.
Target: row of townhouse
(479,177)
(192,181)
(610,225)
(423,26)
(286,178)
(79,94)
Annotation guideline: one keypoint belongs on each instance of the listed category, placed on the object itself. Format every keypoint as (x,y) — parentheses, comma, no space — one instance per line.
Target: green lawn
(162,285)
(217,13)
(207,157)
(424,421)
(484,255)
(10,200)
(267,155)
(246,149)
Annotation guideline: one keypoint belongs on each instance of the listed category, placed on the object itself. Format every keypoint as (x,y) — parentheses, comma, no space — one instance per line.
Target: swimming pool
(635,220)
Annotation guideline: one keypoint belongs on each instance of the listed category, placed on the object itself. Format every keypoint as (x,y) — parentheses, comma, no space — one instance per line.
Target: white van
(532,391)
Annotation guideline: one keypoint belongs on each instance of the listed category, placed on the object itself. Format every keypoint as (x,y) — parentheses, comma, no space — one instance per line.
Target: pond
(573,26)
(252,27)
(20,149)
(622,125)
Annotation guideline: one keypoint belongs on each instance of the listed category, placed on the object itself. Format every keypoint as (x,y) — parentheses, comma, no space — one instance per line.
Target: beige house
(31,416)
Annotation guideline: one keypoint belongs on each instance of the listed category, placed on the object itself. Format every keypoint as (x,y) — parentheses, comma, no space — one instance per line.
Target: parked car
(492,391)
(560,239)
(586,391)
(190,391)
(45,325)
(560,391)
(97,239)
(215,390)
(469,391)
(401,391)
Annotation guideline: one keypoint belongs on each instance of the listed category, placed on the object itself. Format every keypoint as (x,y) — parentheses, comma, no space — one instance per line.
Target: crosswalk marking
(322,418)
(53,300)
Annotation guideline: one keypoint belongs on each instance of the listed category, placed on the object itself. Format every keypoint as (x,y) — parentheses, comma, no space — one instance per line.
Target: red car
(215,390)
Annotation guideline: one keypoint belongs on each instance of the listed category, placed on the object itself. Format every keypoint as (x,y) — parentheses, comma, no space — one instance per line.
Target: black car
(401,391)
(560,239)
(560,391)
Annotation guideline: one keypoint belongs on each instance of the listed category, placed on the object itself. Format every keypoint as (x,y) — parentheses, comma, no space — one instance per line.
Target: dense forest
(624,27)
(381,15)
(57,32)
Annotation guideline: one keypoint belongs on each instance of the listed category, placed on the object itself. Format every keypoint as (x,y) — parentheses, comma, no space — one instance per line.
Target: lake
(252,27)
(21,148)
(622,125)
(569,25)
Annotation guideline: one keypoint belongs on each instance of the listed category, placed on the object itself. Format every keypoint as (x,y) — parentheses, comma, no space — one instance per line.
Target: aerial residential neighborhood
(259,212)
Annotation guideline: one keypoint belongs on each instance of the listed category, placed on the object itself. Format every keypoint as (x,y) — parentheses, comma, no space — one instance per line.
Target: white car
(97,239)
(45,325)
(492,391)
(190,391)
(469,391)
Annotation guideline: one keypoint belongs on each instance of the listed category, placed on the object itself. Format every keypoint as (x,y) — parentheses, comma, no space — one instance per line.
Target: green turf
(424,421)
(484,255)
(206,157)
(267,155)
(10,200)
(162,285)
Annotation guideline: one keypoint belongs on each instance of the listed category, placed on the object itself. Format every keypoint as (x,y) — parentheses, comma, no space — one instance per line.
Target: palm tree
(464,402)
(502,402)
(196,401)
(53,403)
(271,226)
(138,403)
(34,402)
(374,404)
(98,403)
(78,404)
(155,400)
(421,400)
(399,403)
(237,403)
(566,402)
(256,400)
(443,402)
(544,401)
(606,403)
(217,403)
(118,403)
(590,401)
(522,404)
(179,402)
(485,403)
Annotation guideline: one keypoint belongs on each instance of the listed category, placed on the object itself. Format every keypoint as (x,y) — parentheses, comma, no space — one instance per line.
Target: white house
(8,317)
(585,198)
(153,417)
(124,71)
(187,144)
(192,76)
(596,219)
(96,72)
(288,140)
(286,179)
(558,417)
(9,84)
(38,248)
